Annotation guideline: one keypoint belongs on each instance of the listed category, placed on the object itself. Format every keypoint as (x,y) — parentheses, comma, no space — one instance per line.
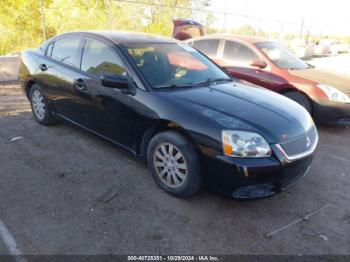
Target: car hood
(240,107)
(322,76)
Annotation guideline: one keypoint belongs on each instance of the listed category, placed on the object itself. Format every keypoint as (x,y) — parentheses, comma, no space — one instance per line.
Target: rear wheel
(40,107)
(300,99)
(174,164)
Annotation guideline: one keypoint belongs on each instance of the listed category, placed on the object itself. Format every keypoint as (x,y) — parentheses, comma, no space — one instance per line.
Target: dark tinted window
(99,58)
(208,47)
(65,50)
(238,54)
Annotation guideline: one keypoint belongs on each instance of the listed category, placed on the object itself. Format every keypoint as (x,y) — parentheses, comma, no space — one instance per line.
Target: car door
(237,59)
(58,69)
(106,111)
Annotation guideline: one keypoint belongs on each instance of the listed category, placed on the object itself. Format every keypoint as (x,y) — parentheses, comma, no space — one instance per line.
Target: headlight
(334,94)
(244,144)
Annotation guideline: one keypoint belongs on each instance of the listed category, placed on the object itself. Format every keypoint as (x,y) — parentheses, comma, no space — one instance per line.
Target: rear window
(208,47)
(65,50)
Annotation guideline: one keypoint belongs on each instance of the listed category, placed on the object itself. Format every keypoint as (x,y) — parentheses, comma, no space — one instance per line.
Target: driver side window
(99,58)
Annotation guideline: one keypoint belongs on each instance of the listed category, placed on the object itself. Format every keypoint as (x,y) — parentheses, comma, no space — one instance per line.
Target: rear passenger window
(238,54)
(208,47)
(65,50)
(99,58)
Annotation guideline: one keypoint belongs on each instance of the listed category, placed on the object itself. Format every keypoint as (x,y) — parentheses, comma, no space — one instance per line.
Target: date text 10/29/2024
(173,258)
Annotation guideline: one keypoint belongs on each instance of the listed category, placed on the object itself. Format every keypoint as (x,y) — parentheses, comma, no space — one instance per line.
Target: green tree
(21,24)
(245,30)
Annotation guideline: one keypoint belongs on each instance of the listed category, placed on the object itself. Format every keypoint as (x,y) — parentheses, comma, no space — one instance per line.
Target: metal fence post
(43,23)
(110,17)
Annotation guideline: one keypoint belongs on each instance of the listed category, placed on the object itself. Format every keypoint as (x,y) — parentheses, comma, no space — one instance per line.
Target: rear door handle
(80,84)
(43,67)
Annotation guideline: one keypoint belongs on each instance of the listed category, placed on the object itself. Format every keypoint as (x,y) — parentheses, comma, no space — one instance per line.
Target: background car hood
(322,76)
(240,107)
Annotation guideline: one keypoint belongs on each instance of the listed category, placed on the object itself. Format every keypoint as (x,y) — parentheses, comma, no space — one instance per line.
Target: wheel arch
(162,125)
(288,89)
(28,85)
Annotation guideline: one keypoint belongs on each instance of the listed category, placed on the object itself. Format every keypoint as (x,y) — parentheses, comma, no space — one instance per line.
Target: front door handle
(80,84)
(43,67)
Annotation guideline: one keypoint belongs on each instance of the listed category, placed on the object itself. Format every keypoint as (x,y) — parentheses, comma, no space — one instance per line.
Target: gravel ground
(64,191)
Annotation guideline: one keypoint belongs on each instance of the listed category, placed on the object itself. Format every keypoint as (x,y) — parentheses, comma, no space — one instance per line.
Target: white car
(323,47)
(338,47)
(301,48)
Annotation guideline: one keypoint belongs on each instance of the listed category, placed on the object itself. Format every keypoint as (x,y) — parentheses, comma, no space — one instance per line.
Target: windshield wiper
(212,80)
(195,84)
(174,86)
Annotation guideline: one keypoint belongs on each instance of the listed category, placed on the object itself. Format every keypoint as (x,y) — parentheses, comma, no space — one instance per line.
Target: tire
(40,107)
(300,99)
(174,164)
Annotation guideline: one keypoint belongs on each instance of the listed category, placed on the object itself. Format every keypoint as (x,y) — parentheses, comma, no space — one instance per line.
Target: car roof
(124,37)
(244,38)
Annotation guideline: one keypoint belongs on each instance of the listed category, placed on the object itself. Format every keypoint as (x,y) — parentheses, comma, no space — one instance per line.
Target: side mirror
(115,81)
(258,63)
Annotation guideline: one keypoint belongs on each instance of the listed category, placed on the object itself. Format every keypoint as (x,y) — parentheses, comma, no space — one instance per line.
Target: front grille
(301,144)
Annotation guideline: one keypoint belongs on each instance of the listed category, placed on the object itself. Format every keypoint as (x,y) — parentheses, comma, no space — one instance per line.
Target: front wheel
(174,164)
(40,107)
(301,100)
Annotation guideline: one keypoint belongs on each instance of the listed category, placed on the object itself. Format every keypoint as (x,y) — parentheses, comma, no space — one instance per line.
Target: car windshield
(281,57)
(174,65)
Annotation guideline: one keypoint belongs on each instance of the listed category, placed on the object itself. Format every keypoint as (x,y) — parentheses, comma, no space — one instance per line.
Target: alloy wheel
(38,104)
(170,165)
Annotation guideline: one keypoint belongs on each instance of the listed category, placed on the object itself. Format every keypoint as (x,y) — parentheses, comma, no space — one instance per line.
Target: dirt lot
(64,191)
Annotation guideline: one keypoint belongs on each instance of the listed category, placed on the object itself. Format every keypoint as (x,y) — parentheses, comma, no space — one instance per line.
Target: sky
(327,17)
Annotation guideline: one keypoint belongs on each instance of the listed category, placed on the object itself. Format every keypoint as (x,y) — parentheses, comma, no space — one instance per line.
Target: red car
(324,94)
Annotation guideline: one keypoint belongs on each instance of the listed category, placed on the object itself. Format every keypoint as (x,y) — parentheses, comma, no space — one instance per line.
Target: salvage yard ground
(64,191)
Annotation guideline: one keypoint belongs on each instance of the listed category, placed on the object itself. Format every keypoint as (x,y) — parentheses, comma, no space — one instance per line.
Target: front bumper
(253,178)
(326,112)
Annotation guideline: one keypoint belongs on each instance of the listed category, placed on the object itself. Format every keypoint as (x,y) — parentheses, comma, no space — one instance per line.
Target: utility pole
(246,17)
(43,23)
(281,34)
(225,16)
(301,28)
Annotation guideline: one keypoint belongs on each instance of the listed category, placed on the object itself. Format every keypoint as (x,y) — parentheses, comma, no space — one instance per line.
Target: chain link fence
(34,21)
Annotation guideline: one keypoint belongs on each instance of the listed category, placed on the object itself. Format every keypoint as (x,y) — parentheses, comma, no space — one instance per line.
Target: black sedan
(169,104)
